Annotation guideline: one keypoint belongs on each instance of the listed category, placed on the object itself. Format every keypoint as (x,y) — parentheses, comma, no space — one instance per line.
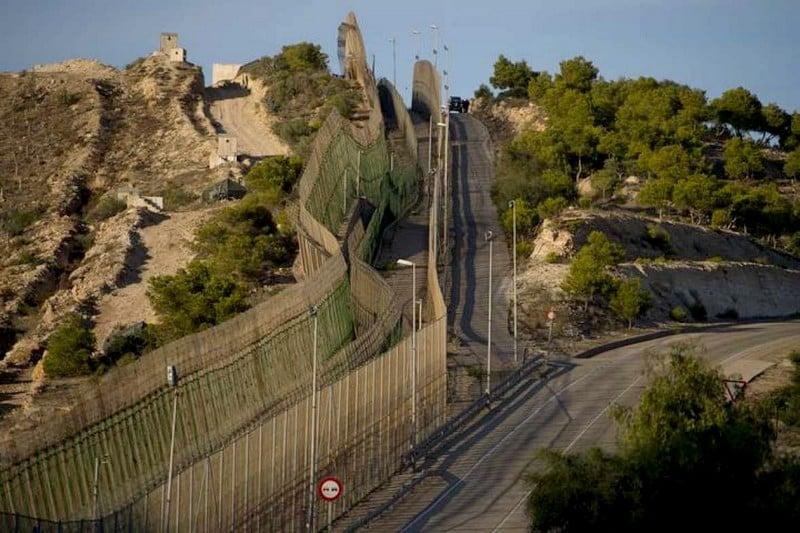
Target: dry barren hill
(72,136)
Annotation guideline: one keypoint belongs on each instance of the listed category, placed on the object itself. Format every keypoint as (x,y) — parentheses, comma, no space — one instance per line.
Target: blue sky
(710,44)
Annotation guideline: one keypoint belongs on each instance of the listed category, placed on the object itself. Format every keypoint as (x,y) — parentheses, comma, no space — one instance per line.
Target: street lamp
(96,486)
(312,474)
(394,61)
(172,381)
(435,31)
(418,35)
(407,263)
(489,238)
(513,205)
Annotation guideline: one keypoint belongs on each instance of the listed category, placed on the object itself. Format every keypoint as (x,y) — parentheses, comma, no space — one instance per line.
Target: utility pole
(394,61)
(430,142)
(489,237)
(513,205)
(407,263)
(172,380)
(435,31)
(418,35)
(446,142)
(312,467)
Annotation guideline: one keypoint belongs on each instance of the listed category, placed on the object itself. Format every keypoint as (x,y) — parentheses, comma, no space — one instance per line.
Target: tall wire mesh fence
(243,406)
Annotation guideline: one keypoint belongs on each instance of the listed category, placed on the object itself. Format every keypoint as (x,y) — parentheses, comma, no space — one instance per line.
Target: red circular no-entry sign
(330,488)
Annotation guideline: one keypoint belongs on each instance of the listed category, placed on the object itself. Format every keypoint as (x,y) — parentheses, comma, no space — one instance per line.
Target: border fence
(243,446)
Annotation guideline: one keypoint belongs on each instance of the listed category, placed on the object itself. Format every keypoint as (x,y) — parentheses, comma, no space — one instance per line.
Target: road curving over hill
(478,484)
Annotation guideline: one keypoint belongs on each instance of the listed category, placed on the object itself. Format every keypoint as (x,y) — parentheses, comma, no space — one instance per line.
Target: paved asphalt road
(473,215)
(478,485)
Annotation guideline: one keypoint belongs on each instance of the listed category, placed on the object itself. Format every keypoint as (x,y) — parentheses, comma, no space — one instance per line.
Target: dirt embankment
(508,117)
(726,273)
(240,111)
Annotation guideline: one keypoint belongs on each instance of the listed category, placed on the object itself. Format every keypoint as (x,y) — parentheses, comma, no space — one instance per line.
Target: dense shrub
(272,173)
(128,343)
(678,314)
(658,238)
(684,446)
(243,241)
(69,349)
(14,221)
(107,207)
(588,273)
(193,299)
(630,300)
(698,311)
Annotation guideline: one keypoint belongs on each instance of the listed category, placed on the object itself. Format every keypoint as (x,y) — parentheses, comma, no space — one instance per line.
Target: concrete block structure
(227,147)
(222,72)
(177,55)
(168,41)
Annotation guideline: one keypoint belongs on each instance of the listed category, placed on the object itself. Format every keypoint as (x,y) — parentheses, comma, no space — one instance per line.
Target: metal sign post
(329,490)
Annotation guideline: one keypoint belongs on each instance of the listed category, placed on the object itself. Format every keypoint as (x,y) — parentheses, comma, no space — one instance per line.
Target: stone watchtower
(168,45)
(168,42)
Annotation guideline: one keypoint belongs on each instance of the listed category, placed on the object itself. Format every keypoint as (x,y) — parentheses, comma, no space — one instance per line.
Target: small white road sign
(330,488)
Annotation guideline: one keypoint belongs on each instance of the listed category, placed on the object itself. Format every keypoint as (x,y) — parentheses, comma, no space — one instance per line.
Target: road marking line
(568,448)
(494,448)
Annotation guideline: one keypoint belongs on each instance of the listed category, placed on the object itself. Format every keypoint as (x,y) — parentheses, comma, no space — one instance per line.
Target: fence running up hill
(243,440)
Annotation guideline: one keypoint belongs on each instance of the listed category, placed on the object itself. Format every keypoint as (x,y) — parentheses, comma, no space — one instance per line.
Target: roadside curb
(636,339)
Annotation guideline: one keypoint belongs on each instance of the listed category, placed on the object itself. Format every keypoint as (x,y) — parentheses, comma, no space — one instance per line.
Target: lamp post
(513,205)
(96,486)
(407,263)
(418,35)
(394,61)
(430,142)
(441,126)
(435,32)
(312,467)
(489,238)
(172,380)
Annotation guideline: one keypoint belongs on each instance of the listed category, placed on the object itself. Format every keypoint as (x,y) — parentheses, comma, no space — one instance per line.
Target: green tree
(684,446)
(577,73)
(571,123)
(776,122)
(551,207)
(696,194)
(742,158)
(607,179)
(526,218)
(302,56)
(740,109)
(539,85)
(511,77)
(672,162)
(588,273)
(69,349)
(483,91)
(630,300)
(792,165)
(194,299)
(657,193)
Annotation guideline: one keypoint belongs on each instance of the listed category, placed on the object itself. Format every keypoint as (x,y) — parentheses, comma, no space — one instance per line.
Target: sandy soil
(164,249)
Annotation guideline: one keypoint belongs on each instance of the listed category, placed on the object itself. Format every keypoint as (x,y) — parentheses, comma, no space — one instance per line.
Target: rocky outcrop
(724,290)
(645,237)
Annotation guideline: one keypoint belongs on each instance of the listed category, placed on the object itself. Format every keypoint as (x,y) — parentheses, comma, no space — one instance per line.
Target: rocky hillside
(72,135)
(692,272)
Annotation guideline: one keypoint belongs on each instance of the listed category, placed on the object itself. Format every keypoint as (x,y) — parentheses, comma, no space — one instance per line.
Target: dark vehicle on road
(458,104)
